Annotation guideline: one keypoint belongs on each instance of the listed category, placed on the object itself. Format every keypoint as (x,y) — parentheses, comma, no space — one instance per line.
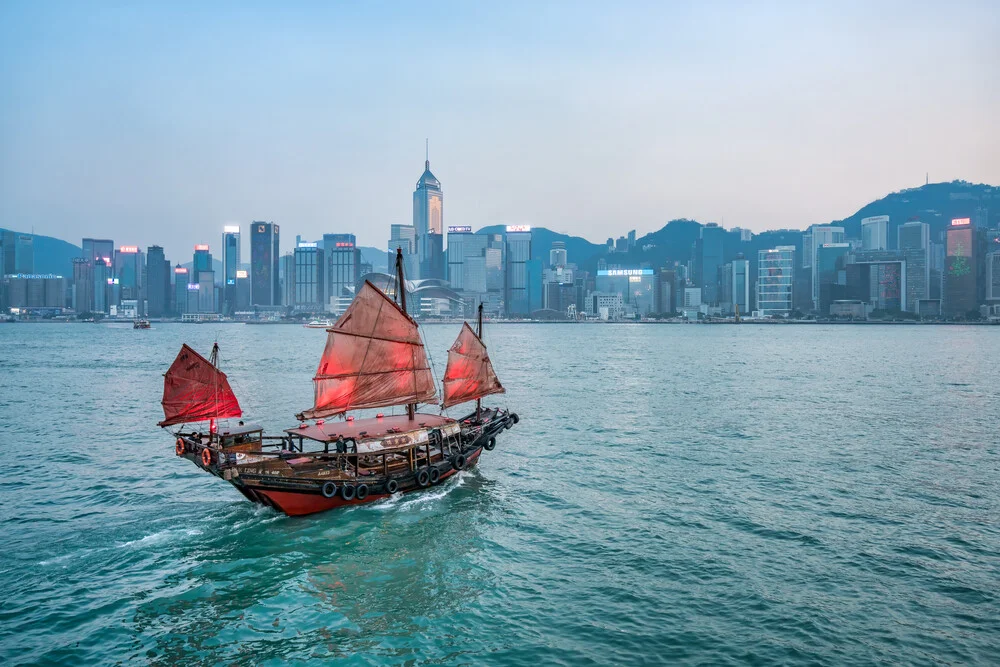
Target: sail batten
(195,390)
(373,358)
(470,373)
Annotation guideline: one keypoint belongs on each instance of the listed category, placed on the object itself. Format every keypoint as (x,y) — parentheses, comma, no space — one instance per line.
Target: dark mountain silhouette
(578,250)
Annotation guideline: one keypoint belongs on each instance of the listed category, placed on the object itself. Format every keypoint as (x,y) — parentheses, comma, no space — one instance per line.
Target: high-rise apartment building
(428,221)
(265,280)
(774,280)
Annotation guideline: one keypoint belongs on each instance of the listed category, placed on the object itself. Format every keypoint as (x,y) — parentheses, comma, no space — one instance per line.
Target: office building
(960,269)
(181,281)
(24,254)
(343,270)
(404,237)
(820,235)
(157,282)
(103,285)
(741,285)
(230,265)
(8,252)
(517,253)
(206,292)
(993,276)
(557,255)
(428,221)
(265,280)
(774,280)
(127,283)
(202,261)
(287,279)
(94,249)
(709,247)
(664,298)
(914,243)
(875,233)
(831,272)
(309,278)
(82,298)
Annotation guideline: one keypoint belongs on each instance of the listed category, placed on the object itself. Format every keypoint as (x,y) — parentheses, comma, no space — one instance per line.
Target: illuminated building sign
(635,279)
(874,219)
(128,248)
(518,228)
(303,244)
(231,229)
(344,244)
(260,229)
(33,276)
(180,269)
(200,247)
(959,222)
(461,229)
(192,287)
(616,273)
(230,282)
(242,273)
(112,281)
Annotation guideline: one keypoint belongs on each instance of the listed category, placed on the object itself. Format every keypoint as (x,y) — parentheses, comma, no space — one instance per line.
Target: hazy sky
(159,123)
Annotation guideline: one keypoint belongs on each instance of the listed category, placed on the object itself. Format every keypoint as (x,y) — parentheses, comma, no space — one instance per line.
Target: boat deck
(373,427)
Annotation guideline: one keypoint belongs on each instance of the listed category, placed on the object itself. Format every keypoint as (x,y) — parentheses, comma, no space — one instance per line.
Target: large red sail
(469,374)
(195,390)
(373,358)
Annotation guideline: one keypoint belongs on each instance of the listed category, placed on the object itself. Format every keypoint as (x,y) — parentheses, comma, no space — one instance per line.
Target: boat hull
(300,503)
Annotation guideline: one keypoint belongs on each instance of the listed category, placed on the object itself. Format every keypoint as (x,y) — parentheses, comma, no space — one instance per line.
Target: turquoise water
(693,494)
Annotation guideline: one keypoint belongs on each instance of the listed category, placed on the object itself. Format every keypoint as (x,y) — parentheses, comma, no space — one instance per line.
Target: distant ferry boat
(319,324)
(141,324)
(374,358)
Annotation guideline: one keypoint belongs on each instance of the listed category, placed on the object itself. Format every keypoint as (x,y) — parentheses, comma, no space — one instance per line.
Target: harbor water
(673,493)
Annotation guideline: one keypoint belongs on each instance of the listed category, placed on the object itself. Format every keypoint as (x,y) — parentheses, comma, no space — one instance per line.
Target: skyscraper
(8,252)
(24,254)
(557,255)
(820,235)
(914,241)
(83,285)
(709,260)
(428,220)
(774,280)
(128,274)
(959,293)
(741,284)
(157,282)
(404,237)
(202,261)
(98,249)
(310,285)
(875,233)
(265,285)
(181,282)
(516,279)
(831,272)
(230,265)
(343,270)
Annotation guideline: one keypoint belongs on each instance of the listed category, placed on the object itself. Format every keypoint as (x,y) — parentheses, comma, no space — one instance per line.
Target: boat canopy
(469,374)
(195,390)
(374,358)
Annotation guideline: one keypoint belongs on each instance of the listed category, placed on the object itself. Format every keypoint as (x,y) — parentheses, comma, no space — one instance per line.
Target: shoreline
(449,322)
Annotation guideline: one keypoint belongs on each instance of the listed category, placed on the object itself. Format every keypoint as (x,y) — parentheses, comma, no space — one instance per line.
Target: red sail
(194,390)
(469,374)
(373,358)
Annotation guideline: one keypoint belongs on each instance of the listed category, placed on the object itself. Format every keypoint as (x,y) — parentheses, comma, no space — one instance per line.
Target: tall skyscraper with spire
(428,221)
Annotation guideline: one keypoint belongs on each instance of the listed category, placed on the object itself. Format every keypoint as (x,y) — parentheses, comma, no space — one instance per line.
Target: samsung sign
(463,229)
(614,273)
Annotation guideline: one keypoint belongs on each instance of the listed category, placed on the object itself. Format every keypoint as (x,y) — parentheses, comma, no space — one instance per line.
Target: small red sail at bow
(195,390)
(373,358)
(469,374)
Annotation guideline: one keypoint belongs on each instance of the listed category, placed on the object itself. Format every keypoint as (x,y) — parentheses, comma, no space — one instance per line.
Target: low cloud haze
(160,124)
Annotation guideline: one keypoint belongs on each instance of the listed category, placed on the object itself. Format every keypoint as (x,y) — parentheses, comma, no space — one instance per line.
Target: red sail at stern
(195,390)
(373,358)
(469,374)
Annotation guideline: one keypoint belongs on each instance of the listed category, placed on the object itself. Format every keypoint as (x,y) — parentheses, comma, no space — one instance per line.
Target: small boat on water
(319,324)
(374,358)
(141,324)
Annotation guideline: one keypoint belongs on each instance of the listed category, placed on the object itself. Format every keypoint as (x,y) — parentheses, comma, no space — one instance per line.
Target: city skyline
(657,118)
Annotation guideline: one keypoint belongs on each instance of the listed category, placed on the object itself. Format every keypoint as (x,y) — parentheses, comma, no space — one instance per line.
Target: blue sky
(162,122)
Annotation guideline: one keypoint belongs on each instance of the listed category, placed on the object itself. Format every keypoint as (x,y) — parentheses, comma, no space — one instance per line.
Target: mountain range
(935,203)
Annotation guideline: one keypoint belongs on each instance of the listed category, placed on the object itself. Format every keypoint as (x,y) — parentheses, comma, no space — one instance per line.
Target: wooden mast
(411,408)
(479,332)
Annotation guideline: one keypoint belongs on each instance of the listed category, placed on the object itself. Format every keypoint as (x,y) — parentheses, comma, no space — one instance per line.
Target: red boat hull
(299,504)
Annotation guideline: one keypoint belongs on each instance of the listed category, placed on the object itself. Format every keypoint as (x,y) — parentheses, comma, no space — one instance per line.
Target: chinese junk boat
(374,358)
